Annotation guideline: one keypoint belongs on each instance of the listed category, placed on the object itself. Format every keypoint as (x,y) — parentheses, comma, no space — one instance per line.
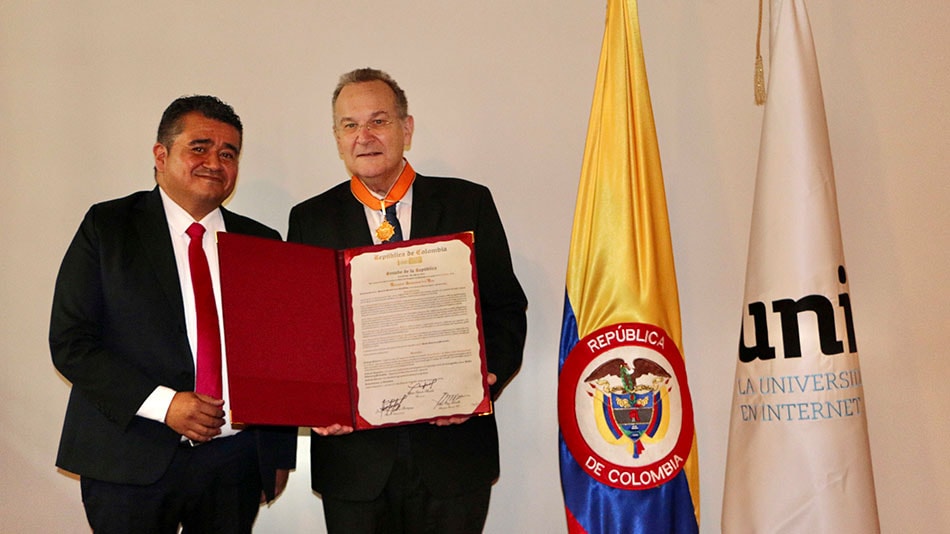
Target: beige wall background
(501,92)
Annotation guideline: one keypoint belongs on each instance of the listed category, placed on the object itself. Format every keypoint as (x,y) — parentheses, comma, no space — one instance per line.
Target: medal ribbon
(395,194)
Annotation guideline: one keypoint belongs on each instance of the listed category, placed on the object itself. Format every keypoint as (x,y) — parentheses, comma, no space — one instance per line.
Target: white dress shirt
(156,405)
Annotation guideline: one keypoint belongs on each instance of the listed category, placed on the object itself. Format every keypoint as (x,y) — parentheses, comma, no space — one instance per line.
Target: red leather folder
(288,323)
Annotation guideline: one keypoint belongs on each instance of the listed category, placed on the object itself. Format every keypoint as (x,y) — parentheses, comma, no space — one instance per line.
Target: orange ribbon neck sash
(395,194)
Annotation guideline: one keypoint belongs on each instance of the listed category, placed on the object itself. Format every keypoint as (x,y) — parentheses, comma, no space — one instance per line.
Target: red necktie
(208,374)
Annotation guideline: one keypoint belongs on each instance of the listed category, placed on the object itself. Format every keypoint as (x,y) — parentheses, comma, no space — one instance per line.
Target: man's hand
(459,419)
(197,417)
(280,484)
(446,421)
(332,430)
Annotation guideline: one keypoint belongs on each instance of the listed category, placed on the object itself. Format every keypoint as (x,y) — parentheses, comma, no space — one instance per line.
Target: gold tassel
(760,93)
(759,81)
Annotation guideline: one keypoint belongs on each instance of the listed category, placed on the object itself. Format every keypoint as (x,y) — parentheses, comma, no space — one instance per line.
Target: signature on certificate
(392,406)
(450,400)
(422,386)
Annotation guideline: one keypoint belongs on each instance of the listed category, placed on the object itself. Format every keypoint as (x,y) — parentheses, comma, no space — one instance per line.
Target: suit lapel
(352,228)
(428,208)
(231,222)
(152,229)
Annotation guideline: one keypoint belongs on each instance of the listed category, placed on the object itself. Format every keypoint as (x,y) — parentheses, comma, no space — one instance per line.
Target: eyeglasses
(349,129)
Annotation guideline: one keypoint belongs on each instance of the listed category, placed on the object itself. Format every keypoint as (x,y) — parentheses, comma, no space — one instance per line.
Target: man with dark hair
(208,106)
(135,328)
(420,478)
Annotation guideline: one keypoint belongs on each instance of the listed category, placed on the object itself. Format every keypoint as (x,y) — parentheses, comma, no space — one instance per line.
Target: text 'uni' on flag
(627,443)
(799,458)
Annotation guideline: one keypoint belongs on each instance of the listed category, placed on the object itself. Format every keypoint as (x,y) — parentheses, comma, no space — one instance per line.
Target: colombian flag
(627,442)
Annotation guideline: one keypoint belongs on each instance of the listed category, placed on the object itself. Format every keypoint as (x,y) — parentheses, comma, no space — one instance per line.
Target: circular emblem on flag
(624,406)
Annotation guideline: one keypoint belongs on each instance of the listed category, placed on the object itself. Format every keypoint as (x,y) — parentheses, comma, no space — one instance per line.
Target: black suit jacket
(452,459)
(117,331)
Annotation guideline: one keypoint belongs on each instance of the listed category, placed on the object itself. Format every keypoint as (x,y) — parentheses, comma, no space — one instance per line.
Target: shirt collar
(406,199)
(179,220)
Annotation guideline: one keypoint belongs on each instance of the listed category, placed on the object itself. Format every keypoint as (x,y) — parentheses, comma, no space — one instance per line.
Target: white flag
(799,458)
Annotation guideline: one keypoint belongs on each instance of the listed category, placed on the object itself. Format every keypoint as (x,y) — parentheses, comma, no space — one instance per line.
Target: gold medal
(397,190)
(385,231)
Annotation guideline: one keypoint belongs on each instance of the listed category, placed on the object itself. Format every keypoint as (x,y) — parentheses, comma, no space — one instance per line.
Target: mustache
(209,173)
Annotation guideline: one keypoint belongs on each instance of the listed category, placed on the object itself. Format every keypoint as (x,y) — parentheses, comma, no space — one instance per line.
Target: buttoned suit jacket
(117,331)
(451,459)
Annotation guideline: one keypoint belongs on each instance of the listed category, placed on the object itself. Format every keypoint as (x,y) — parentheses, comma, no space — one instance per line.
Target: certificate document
(365,337)
(415,329)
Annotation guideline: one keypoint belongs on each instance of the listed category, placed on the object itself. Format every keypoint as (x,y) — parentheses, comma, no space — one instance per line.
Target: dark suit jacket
(453,459)
(117,331)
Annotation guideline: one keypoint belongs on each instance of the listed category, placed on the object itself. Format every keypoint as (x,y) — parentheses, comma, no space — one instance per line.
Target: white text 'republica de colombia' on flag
(799,459)
(627,440)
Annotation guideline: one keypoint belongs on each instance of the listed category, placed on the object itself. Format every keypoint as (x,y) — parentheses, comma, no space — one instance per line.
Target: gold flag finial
(759,68)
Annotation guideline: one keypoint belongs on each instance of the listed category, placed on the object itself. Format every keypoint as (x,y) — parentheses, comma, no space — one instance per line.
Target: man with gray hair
(427,477)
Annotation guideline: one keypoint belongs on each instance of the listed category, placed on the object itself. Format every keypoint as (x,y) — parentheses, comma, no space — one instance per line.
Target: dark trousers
(211,488)
(407,506)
